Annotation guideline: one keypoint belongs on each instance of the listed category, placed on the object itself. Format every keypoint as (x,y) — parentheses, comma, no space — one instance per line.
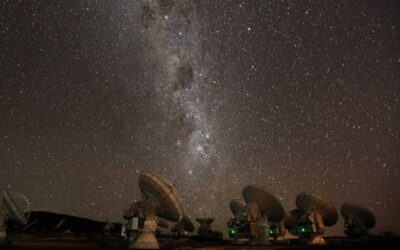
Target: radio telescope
(236,225)
(271,212)
(312,215)
(15,208)
(261,217)
(237,208)
(357,220)
(158,205)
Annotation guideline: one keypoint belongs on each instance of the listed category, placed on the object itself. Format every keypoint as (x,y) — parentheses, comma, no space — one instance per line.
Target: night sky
(214,95)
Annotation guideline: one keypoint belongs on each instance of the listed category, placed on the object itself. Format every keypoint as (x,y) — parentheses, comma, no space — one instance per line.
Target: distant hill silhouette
(49,222)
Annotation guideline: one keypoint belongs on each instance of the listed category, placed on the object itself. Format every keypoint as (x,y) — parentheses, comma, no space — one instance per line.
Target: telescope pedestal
(257,230)
(146,239)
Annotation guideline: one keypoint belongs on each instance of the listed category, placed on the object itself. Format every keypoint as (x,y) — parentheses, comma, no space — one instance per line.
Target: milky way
(175,47)
(214,95)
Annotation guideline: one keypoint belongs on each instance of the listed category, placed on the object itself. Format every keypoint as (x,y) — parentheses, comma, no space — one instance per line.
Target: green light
(232,231)
(303,229)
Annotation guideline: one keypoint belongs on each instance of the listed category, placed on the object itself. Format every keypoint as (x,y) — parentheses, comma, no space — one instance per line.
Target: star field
(214,95)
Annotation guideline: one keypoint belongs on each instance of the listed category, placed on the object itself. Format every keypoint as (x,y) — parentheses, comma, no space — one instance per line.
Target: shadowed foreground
(114,241)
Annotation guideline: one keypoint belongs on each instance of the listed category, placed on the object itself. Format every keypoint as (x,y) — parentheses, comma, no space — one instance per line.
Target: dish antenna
(204,230)
(237,208)
(13,209)
(259,219)
(271,213)
(312,215)
(159,204)
(236,225)
(357,220)
(268,204)
(205,226)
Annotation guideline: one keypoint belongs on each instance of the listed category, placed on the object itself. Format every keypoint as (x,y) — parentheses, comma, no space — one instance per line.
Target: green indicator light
(303,229)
